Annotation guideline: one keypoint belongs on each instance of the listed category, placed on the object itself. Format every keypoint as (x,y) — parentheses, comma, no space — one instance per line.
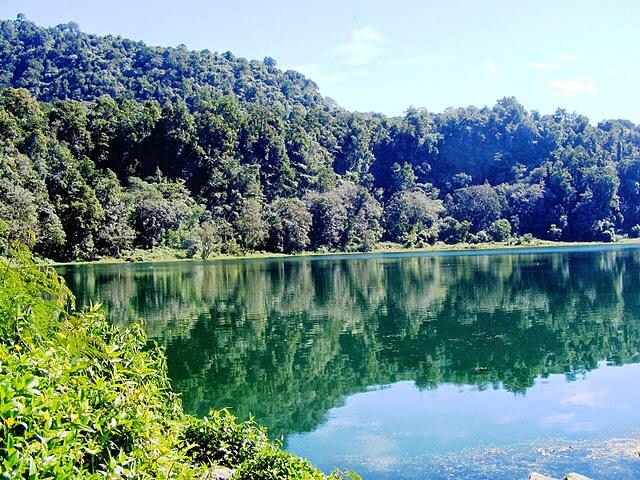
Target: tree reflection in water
(287,340)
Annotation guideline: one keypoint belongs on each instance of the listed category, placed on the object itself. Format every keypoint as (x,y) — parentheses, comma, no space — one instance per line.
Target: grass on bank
(81,399)
(166,254)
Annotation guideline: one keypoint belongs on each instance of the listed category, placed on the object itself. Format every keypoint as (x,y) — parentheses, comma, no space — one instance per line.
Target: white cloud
(492,67)
(568,57)
(557,419)
(365,46)
(544,66)
(426,59)
(586,399)
(612,72)
(574,86)
(365,52)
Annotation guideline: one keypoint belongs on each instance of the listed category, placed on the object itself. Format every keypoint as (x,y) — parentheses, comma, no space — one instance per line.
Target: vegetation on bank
(80,398)
(109,145)
(163,254)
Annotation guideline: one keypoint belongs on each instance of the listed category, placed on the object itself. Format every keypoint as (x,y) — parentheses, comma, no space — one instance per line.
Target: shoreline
(169,256)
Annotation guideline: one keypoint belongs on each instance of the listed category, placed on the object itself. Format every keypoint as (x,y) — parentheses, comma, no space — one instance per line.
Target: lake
(485,364)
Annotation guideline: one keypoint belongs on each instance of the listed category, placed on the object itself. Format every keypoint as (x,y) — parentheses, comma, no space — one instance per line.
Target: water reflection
(402,432)
(289,340)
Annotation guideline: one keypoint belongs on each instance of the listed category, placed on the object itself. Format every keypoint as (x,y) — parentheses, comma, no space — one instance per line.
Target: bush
(453,231)
(80,398)
(273,464)
(527,239)
(500,230)
(483,237)
(220,439)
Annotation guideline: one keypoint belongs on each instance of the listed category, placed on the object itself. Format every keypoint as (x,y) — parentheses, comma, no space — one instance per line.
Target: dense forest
(107,144)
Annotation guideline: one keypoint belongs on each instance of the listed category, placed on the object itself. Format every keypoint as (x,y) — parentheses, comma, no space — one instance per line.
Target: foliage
(221,440)
(478,204)
(94,164)
(80,398)
(289,225)
(453,231)
(500,230)
(409,213)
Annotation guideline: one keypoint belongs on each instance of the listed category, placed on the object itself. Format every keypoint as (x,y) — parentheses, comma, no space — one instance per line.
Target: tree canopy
(107,144)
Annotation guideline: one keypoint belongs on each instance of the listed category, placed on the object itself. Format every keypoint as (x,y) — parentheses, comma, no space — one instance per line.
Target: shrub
(453,231)
(273,464)
(500,230)
(483,237)
(80,398)
(220,439)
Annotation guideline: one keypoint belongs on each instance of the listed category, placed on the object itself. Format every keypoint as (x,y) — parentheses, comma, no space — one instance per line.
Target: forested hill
(63,62)
(107,144)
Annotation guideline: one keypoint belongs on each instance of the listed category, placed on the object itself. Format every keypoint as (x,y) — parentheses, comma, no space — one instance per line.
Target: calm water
(406,366)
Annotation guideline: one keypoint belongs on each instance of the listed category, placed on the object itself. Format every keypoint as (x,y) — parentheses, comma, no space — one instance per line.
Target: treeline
(109,145)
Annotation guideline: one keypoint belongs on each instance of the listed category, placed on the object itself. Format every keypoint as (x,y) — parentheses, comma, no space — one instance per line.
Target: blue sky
(385,56)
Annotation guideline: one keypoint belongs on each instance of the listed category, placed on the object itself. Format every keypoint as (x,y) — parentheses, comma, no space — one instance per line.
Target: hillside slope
(107,145)
(63,62)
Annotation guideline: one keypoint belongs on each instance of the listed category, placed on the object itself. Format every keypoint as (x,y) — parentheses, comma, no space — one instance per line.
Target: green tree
(289,225)
(452,231)
(500,230)
(409,213)
(206,239)
(116,234)
(251,226)
(478,205)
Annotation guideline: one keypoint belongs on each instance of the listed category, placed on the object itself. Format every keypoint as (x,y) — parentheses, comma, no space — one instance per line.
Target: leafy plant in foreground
(80,398)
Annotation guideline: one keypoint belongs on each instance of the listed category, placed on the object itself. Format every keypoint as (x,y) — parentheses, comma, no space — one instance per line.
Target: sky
(384,56)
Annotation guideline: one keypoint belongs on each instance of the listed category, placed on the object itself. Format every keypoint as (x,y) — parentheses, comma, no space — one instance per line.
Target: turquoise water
(457,365)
